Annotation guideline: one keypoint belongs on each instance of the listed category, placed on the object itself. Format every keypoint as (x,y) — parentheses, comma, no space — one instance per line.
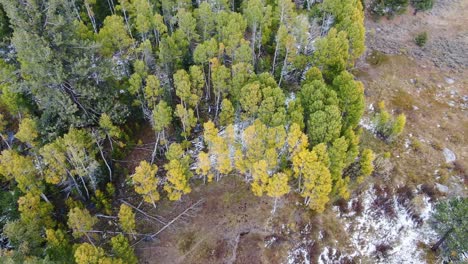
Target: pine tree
(146,183)
(331,53)
(113,36)
(351,98)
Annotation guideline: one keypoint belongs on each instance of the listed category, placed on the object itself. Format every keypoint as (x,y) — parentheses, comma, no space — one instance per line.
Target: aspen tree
(127,218)
(145,182)
(204,166)
(27,131)
(80,221)
(277,187)
(123,250)
(366,165)
(227,113)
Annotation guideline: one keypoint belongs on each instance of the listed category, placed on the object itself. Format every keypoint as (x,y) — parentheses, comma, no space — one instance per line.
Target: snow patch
(449,155)
(401,233)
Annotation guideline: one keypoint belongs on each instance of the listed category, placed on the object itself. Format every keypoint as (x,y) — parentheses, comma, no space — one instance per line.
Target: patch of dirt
(447,45)
(230,221)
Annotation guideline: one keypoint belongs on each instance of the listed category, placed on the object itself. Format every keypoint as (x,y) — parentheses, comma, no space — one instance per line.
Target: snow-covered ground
(400,233)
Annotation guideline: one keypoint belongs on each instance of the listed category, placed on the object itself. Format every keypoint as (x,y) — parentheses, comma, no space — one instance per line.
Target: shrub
(422,5)
(421,39)
(388,8)
(387,126)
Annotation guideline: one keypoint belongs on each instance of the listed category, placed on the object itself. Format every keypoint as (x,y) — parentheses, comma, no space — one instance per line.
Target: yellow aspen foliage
(301,163)
(27,131)
(54,159)
(317,186)
(366,164)
(275,137)
(210,132)
(177,183)
(271,158)
(88,254)
(204,166)
(122,249)
(80,221)
(296,140)
(277,185)
(35,211)
(239,161)
(127,218)
(105,123)
(227,113)
(145,182)
(260,177)
(322,155)
(21,169)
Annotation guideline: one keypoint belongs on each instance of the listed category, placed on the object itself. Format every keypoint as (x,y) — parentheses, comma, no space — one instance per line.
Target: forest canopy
(258,89)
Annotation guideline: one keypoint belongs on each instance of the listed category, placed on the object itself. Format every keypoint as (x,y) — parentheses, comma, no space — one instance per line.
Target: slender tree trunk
(6,141)
(284,66)
(274,205)
(111,6)
(252,44)
(84,185)
(155,148)
(218,98)
(91,17)
(44,198)
(275,56)
(105,160)
(441,240)
(127,23)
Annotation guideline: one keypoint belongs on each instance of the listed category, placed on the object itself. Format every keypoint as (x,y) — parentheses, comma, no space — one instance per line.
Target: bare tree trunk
(274,206)
(84,185)
(275,56)
(44,197)
(284,66)
(153,155)
(91,16)
(104,158)
(143,213)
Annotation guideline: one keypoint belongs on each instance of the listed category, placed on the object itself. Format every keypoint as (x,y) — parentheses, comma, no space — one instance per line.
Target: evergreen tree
(451,225)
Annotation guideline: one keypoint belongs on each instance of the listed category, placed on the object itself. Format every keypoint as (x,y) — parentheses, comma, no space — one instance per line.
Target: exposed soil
(447,46)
